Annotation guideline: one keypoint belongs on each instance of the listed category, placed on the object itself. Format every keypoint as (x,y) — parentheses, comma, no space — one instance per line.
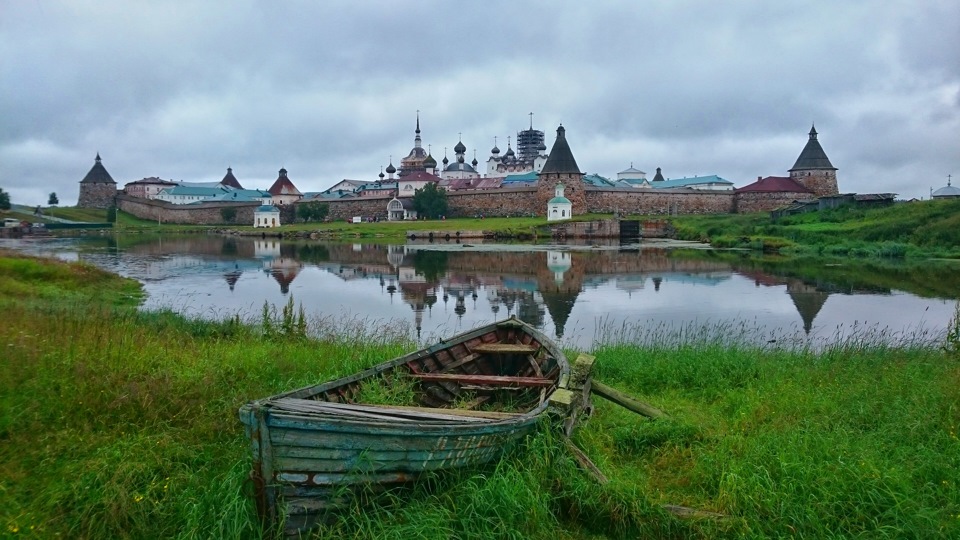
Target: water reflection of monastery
(532,285)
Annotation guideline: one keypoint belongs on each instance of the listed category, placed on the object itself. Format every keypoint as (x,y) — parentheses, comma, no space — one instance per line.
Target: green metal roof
(691,182)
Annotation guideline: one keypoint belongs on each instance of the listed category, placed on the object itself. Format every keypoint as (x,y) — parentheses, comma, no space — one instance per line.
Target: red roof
(775,184)
(283,186)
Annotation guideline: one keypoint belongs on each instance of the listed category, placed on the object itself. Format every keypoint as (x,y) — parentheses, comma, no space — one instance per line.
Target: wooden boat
(474,395)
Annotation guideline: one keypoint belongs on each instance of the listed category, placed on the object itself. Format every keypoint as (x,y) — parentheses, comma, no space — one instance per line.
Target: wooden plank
(493,415)
(291,468)
(584,461)
(494,380)
(476,402)
(454,365)
(505,348)
(534,365)
(416,412)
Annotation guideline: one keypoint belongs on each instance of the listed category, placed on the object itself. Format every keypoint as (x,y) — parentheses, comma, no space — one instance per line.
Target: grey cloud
(329,90)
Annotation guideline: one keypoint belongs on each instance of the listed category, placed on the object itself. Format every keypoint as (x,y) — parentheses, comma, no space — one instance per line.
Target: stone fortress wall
(517,202)
(204,213)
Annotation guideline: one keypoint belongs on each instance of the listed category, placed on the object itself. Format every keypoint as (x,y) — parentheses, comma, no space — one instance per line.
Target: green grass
(116,423)
(73,213)
(917,229)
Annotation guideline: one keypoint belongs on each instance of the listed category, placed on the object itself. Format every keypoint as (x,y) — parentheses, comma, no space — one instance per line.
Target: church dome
(391,169)
(474,162)
(509,152)
(429,162)
(494,150)
(542,147)
(445,160)
(460,148)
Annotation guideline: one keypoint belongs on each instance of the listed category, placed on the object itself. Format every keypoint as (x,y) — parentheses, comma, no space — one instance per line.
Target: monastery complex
(526,181)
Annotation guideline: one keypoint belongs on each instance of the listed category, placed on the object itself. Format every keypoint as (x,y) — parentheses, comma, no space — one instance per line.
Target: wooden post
(626,401)
(573,395)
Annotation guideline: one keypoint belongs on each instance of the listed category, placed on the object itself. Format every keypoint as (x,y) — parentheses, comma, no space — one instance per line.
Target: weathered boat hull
(315,446)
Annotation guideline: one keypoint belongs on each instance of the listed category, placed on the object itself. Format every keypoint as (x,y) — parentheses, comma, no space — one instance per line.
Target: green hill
(909,229)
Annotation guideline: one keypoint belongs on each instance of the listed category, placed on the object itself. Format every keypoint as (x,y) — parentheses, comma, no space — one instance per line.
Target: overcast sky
(329,90)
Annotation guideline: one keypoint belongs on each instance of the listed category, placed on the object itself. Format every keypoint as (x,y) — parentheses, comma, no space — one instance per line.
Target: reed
(117,423)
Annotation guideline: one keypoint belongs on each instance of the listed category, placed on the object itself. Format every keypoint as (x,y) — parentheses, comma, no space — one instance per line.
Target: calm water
(579,294)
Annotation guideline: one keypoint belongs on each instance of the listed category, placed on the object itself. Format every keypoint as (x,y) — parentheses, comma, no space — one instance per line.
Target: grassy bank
(121,424)
(916,229)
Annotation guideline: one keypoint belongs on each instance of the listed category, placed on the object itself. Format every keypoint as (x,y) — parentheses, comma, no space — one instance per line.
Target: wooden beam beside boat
(490,380)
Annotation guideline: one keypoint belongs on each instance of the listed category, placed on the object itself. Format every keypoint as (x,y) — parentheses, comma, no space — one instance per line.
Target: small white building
(946,192)
(401,209)
(631,174)
(559,207)
(266,215)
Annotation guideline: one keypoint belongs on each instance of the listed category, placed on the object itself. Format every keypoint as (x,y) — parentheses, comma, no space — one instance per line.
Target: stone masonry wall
(509,202)
(364,207)
(193,214)
(499,203)
(764,202)
(97,195)
(822,182)
(659,201)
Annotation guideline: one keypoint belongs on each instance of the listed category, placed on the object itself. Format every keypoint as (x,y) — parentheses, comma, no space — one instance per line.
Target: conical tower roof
(561,158)
(813,156)
(230,180)
(98,174)
(283,185)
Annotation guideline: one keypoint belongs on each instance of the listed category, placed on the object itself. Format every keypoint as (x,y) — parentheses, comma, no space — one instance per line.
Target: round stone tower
(561,167)
(97,189)
(814,170)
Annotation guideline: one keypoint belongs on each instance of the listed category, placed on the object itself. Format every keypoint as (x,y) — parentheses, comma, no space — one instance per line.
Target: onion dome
(510,152)
(460,158)
(430,163)
(391,169)
(494,150)
(381,175)
(445,160)
(460,148)
(542,146)
(474,162)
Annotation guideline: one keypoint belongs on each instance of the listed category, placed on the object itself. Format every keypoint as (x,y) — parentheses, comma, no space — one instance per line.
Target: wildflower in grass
(138,498)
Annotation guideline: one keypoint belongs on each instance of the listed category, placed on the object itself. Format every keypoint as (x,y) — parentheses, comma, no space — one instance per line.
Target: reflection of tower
(808,301)
(233,277)
(460,308)
(391,288)
(266,248)
(395,255)
(559,262)
(284,270)
(493,298)
(656,283)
